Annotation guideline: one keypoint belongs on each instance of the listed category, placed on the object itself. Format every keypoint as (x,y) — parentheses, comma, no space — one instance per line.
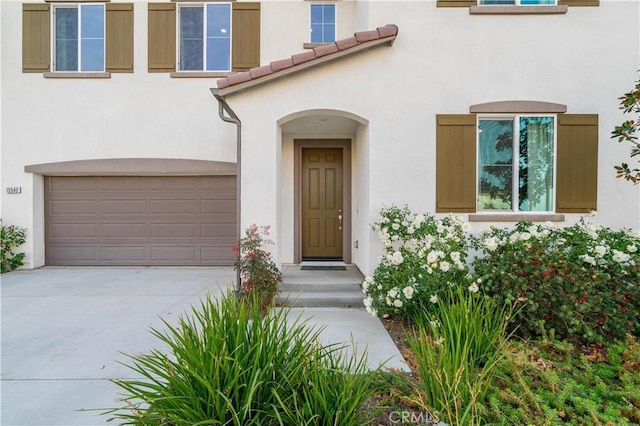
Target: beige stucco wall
(443,61)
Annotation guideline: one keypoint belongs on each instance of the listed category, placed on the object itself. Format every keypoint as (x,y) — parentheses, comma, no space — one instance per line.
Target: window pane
(493,2)
(218,54)
(191,38)
(328,35)
(536,164)
(92,55)
(92,36)
(93,21)
(329,14)
(496,165)
(536,2)
(66,44)
(316,33)
(316,13)
(218,37)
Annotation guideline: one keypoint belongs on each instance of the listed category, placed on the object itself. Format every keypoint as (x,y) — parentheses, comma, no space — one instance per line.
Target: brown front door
(322,210)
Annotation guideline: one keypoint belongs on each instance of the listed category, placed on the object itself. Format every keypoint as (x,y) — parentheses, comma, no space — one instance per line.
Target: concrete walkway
(63,331)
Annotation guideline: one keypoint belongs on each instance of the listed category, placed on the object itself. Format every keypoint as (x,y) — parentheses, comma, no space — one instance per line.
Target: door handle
(339,219)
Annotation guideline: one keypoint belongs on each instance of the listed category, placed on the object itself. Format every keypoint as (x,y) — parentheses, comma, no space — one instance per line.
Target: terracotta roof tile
(346,43)
(326,49)
(360,40)
(299,58)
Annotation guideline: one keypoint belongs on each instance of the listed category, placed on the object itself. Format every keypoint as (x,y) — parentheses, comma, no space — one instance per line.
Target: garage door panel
(125,220)
(124,255)
(73,207)
(212,230)
(123,230)
(73,230)
(121,183)
(178,230)
(121,206)
(186,206)
(218,206)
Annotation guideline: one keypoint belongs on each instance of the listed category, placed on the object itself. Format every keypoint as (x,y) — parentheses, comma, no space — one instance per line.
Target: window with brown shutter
(37,35)
(577,163)
(163,27)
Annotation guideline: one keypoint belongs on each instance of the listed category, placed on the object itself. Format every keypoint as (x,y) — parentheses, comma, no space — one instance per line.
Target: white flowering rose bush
(423,255)
(580,282)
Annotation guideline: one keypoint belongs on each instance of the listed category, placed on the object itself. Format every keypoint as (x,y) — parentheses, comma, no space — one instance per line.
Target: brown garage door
(133,220)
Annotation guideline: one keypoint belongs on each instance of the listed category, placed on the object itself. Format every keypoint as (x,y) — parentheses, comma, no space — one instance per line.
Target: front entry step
(317,288)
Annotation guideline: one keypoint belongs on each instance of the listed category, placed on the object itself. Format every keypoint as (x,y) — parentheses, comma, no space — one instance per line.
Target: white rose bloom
(466,227)
(620,257)
(445,266)
(473,288)
(410,230)
(600,251)
(396,226)
(365,286)
(418,219)
(491,244)
(533,229)
(433,299)
(397,258)
(393,292)
(455,256)
(397,303)
(588,259)
(408,292)
(369,279)
(367,302)
(631,248)
(432,257)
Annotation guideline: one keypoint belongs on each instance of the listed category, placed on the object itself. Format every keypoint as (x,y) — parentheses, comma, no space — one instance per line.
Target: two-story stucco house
(126,125)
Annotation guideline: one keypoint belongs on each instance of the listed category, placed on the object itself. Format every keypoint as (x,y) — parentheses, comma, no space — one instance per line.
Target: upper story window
(204,37)
(516,158)
(323,23)
(79,37)
(518,2)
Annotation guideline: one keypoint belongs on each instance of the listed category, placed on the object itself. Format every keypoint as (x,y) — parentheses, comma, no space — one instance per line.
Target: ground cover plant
(226,363)
(11,237)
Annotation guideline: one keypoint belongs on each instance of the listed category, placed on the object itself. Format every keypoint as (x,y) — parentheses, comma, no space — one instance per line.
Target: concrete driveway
(63,330)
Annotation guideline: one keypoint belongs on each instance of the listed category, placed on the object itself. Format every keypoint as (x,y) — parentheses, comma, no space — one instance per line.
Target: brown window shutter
(456,3)
(456,163)
(119,37)
(593,3)
(577,163)
(162,37)
(36,33)
(246,36)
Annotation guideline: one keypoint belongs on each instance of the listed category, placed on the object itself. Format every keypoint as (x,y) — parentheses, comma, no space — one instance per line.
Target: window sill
(199,74)
(516,217)
(518,10)
(76,75)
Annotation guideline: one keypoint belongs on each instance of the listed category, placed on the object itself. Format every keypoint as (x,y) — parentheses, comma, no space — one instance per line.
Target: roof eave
(303,66)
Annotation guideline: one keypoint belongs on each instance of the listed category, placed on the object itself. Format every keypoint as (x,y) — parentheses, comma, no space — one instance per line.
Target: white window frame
(335,30)
(515,192)
(517,3)
(204,41)
(78,6)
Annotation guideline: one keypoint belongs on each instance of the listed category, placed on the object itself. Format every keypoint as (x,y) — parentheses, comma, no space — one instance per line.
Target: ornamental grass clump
(457,349)
(225,363)
(579,283)
(423,256)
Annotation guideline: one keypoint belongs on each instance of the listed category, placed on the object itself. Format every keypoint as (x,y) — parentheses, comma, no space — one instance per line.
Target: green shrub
(423,255)
(11,237)
(259,275)
(456,351)
(550,383)
(228,364)
(578,282)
